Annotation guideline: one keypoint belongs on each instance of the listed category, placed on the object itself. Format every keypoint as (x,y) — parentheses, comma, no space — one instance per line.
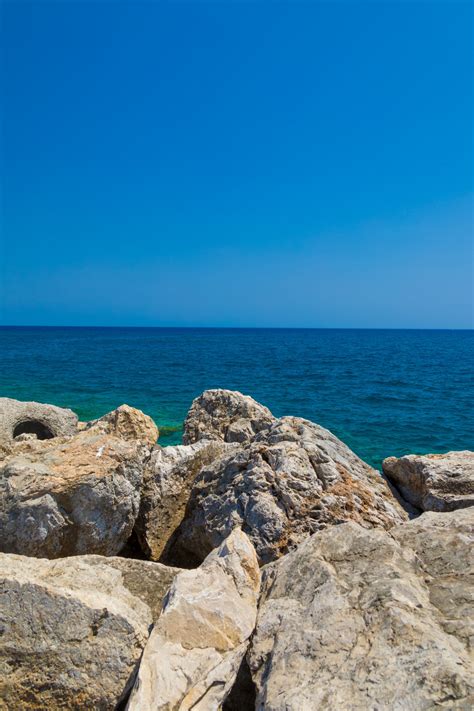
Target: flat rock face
(34,418)
(434,482)
(167,481)
(196,647)
(358,619)
(127,423)
(72,634)
(71,496)
(225,415)
(291,480)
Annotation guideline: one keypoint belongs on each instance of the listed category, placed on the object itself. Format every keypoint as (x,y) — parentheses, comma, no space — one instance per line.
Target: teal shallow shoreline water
(383,392)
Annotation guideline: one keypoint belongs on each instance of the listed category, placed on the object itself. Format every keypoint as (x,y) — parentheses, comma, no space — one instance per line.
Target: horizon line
(248,328)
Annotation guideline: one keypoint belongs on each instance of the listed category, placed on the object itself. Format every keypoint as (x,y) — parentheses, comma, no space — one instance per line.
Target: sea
(383,392)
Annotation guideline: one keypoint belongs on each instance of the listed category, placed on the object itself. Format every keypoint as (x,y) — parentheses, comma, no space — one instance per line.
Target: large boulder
(73,630)
(355,619)
(434,482)
(167,481)
(35,419)
(225,415)
(127,423)
(195,649)
(291,480)
(70,496)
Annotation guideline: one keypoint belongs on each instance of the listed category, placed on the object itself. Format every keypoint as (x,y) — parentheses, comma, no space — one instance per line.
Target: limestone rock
(225,415)
(290,481)
(434,482)
(72,633)
(35,418)
(127,423)
(196,647)
(70,496)
(354,620)
(167,481)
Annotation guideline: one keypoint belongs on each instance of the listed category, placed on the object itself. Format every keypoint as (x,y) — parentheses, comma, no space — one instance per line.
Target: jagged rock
(70,496)
(127,423)
(167,481)
(434,482)
(354,620)
(35,418)
(73,630)
(225,415)
(290,481)
(196,647)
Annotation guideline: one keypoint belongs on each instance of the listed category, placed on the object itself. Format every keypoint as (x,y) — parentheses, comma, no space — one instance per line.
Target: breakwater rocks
(260,565)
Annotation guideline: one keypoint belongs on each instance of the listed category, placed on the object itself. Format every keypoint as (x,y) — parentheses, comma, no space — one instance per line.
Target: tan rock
(356,619)
(69,496)
(127,423)
(196,647)
(434,482)
(291,480)
(167,481)
(73,630)
(225,415)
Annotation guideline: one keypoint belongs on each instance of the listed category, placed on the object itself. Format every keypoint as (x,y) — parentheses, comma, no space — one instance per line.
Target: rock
(434,482)
(73,630)
(196,647)
(225,415)
(167,481)
(43,421)
(70,496)
(290,481)
(127,423)
(352,619)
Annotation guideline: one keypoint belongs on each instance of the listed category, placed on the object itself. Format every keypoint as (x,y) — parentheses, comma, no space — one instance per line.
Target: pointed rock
(127,423)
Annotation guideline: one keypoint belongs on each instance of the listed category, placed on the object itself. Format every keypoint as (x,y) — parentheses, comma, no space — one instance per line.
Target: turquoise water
(382,392)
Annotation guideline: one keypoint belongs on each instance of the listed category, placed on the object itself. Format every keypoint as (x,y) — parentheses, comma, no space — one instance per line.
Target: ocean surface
(384,392)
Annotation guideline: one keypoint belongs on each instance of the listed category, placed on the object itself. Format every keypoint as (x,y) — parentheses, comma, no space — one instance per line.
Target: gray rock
(70,496)
(73,631)
(195,649)
(167,481)
(43,421)
(355,619)
(225,415)
(434,482)
(291,480)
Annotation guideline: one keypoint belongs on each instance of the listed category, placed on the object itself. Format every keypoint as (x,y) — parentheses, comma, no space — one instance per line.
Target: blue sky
(237,164)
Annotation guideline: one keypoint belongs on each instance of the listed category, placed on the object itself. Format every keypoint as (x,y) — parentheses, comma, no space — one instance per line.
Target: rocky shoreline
(261,564)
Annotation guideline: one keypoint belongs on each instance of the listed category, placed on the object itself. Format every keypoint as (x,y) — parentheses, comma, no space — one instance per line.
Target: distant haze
(237,164)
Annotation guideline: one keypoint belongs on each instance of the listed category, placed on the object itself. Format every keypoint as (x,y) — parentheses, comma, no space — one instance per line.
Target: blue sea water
(384,392)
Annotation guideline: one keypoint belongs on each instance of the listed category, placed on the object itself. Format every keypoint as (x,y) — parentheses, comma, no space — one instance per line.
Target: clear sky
(237,163)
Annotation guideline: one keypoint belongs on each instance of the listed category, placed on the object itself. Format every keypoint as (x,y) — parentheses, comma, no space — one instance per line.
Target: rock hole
(35,427)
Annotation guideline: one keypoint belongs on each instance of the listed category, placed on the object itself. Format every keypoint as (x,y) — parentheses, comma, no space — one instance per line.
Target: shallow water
(384,392)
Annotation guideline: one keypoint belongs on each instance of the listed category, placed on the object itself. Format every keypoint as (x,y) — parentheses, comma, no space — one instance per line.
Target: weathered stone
(127,423)
(167,481)
(35,418)
(354,620)
(434,482)
(72,633)
(196,647)
(290,481)
(225,415)
(70,496)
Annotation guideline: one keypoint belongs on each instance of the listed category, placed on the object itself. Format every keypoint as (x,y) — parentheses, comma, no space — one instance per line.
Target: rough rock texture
(167,481)
(195,649)
(71,496)
(434,482)
(225,415)
(72,634)
(44,421)
(127,423)
(292,480)
(354,620)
